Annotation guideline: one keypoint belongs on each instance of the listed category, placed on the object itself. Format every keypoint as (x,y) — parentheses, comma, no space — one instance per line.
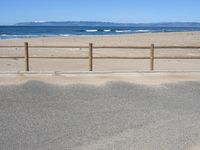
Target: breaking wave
(91,30)
(123,31)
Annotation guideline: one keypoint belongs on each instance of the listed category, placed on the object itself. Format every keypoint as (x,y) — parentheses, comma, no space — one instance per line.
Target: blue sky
(131,11)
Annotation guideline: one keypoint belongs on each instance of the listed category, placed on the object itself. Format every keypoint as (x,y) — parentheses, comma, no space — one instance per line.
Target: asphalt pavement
(115,116)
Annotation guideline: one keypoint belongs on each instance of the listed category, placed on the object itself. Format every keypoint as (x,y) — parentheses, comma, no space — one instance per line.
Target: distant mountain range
(92,23)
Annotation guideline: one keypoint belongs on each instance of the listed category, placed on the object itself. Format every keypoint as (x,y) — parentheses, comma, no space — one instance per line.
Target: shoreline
(94,36)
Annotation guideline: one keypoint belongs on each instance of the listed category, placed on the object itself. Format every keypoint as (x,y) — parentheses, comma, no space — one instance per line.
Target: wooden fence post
(26,56)
(152,58)
(90,57)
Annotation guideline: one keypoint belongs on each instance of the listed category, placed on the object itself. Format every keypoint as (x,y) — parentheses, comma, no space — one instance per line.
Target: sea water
(13,32)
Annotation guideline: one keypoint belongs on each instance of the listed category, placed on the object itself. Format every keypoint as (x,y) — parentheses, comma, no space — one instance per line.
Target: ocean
(13,32)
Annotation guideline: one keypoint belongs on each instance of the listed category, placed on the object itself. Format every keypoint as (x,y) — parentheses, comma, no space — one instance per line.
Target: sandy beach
(159,39)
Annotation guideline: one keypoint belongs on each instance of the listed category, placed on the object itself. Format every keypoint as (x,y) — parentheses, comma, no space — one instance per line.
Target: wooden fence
(90,57)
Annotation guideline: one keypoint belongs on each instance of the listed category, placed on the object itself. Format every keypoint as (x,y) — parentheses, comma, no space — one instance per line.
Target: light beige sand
(196,147)
(150,79)
(164,39)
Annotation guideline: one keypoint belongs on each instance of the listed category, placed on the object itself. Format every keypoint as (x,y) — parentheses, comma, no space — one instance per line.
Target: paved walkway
(113,116)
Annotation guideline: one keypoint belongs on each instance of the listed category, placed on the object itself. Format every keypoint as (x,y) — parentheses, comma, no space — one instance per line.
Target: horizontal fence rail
(105,57)
(90,56)
(115,47)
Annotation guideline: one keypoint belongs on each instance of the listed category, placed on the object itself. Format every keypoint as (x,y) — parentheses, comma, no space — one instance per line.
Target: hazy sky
(131,11)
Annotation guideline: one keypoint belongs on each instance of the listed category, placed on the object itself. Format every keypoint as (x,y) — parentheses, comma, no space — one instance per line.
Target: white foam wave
(6,36)
(91,30)
(106,30)
(122,31)
(64,35)
(3,35)
(142,31)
